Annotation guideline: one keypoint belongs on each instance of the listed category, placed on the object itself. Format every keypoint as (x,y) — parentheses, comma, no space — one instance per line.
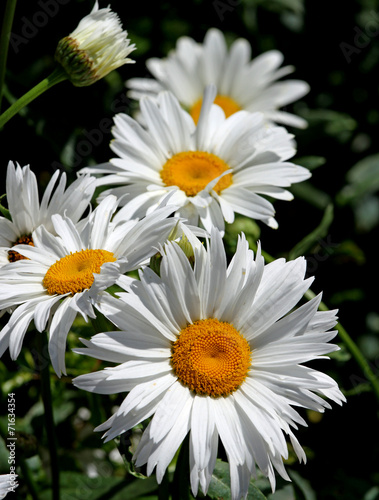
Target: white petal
(246,202)
(177,272)
(69,234)
(202,430)
(101,218)
(18,325)
(291,325)
(238,57)
(8,232)
(128,312)
(43,311)
(213,56)
(60,325)
(171,404)
(164,453)
(141,402)
(276,296)
(229,429)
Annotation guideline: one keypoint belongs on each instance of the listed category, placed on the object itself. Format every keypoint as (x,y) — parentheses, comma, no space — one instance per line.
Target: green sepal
(4,210)
(76,62)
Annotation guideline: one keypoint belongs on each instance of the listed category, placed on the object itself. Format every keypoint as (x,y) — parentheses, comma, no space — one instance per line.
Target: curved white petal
(58,330)
(254,84)
(255,421)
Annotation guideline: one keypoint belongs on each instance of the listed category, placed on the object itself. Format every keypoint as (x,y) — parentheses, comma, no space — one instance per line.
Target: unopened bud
(95,48)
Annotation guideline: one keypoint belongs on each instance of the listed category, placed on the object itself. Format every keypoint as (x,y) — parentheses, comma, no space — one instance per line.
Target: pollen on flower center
(191,171)
(211,357)
(75,272)
(22,240)
(228,105)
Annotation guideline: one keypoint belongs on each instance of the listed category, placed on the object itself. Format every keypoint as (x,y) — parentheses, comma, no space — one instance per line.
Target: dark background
(69,128)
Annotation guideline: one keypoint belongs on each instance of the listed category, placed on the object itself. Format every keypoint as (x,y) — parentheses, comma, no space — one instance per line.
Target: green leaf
(285,493)
(362,178)
(366,213)
(372,493)
(349,251)
(126,446)
(334,123)
(67,155)
(358,389)
(303,247)
(302,485)
(296,6)
(219,488)
(315,197)
(310,162)
(369,345)
(372,321)
(342,355)
(351,295)
(16,380)
(76,486)
(4,210)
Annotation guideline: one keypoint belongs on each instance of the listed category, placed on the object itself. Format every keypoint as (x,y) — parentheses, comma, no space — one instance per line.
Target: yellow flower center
(191,171)
(228,104)
(75,272)
(24,240)
(211,357)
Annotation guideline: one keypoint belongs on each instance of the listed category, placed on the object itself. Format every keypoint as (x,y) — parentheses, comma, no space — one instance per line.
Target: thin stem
(348,341)
(49,419)
(164,488)
(180,482)
(57,76)
(4,41)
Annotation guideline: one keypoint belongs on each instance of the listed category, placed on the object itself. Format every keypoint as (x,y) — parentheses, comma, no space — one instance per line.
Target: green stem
(348,341)
(49,419)
(4,41)
(164,488)
(57,76)
(180,482)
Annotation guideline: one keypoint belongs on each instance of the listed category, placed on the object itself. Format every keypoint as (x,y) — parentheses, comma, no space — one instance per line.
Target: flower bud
(95,48)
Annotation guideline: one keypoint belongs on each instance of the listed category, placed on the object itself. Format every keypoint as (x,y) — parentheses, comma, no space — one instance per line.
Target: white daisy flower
(8,484)
(216,351)
(219,167)
(95,48)
(242,82)
(27,212)
(66,274)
